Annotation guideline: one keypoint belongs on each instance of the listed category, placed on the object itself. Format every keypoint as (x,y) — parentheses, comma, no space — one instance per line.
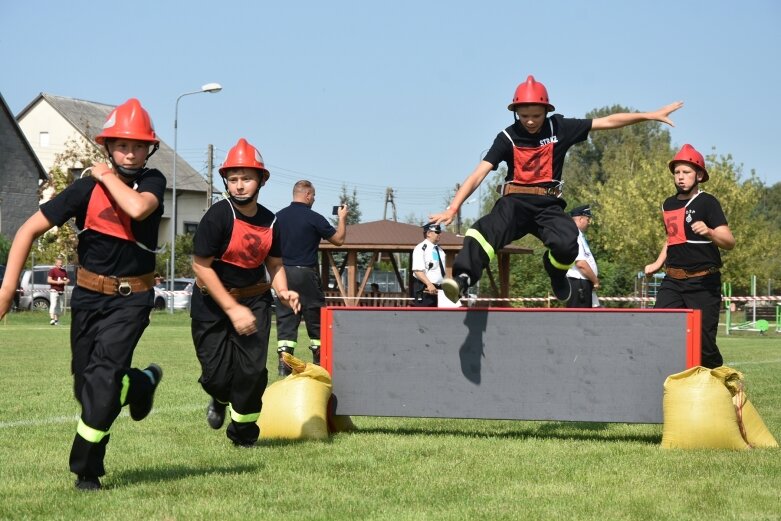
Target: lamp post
(209,87)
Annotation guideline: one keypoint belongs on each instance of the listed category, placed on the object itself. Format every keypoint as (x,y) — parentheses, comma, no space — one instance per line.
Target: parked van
(34,288)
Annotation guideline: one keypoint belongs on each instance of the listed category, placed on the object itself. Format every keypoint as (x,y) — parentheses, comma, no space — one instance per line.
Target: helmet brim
(512,106)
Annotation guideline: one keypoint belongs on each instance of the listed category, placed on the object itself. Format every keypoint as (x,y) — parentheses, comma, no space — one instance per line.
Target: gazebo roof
(386,235)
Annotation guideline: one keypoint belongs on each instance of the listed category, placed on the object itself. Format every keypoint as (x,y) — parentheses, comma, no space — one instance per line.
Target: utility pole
(209,175)
(389,200)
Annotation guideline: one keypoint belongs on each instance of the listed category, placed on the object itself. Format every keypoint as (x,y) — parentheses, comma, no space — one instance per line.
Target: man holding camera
(301,230)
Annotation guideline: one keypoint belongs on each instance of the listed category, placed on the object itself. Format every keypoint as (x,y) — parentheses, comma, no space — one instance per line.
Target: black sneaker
(315,354)
(456,289)
(140,409)
(215,414)
(283,369)
(87,483)
(558,279)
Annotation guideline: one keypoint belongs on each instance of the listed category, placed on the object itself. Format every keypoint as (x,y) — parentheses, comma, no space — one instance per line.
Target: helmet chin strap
(689,191)
(238,202)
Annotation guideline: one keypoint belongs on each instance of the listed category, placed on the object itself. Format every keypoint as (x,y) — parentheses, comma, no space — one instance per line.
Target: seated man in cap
(428,267)
(583,275)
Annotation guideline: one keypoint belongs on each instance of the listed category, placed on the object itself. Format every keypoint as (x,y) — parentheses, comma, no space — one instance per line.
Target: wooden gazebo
(385,238)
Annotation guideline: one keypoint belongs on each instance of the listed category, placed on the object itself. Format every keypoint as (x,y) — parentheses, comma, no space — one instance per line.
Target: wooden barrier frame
(601,365)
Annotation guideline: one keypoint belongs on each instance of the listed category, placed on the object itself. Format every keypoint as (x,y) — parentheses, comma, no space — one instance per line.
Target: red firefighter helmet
(128,121)
(244,155)
(531,92)
(688,154)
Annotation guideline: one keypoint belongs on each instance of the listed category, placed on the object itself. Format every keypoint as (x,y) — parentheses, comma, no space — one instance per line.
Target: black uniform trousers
(233,367)
(580,293)
(102,345)
(305,281)
(421,298)
(515,216)
(703,293)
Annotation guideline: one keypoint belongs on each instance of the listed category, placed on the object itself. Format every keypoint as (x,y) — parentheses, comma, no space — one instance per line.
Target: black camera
(335,211)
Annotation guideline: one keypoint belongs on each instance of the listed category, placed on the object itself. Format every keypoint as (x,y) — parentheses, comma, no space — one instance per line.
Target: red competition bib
(674,222)
(249,245)
(533,165)
(105,216)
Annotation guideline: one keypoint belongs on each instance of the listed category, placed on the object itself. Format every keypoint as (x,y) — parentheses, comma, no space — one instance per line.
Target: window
(190,228)
(75,173)
(43,139)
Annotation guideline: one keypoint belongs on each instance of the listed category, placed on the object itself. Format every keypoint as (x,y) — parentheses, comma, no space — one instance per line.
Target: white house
(49,122)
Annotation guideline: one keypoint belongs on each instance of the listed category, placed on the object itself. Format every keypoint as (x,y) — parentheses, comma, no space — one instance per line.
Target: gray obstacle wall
(597,366)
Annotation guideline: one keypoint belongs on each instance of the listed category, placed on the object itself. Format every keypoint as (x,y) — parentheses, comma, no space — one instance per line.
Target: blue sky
(405,94)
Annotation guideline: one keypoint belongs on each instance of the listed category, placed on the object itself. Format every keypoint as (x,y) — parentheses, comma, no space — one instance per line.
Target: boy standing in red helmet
(696,228)
(118,208)
(237,259)
(534,148)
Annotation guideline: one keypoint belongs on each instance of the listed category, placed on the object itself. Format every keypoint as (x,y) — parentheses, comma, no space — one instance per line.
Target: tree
(353,206)
(753,231)
(769,204)
(613,151)
(5,247)
(353,217)
(184,257)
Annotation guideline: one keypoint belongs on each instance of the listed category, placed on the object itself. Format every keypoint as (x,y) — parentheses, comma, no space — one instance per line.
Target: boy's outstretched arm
(623,119)
(469,185)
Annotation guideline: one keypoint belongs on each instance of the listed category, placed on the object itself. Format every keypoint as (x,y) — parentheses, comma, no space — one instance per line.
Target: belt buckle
(124,288)
(552,191)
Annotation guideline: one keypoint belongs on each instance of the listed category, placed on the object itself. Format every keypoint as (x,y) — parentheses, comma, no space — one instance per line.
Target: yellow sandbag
(295,408)
(754,429)
(698,410)
(336,422)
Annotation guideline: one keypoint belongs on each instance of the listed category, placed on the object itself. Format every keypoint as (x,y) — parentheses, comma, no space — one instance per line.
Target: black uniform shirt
(212,239)
(104,254)
(566,132)
(301,229)
(697,255)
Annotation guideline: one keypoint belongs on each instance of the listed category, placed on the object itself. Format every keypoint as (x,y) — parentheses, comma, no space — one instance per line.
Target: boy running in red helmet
(696,228)
(237,259)
(118,209)
(534,148)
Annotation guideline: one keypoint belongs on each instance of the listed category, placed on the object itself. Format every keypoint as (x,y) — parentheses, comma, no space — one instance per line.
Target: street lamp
(209,87)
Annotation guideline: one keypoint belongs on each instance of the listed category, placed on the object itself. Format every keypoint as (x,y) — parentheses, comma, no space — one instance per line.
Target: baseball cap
(584,210)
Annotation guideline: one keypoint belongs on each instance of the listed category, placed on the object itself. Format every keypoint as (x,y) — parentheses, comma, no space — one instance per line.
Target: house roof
(385,235)
(87,117)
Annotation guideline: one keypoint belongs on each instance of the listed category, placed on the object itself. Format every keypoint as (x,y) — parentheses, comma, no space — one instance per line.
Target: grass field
(172,466)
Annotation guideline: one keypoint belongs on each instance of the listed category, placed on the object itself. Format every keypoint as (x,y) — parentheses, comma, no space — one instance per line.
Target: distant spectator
(57,280)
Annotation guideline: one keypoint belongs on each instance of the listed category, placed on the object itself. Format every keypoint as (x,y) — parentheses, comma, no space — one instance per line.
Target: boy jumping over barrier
(534,148)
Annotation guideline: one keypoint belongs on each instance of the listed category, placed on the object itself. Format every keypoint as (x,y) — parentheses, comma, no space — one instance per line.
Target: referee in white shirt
(583,276)
(428,267)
